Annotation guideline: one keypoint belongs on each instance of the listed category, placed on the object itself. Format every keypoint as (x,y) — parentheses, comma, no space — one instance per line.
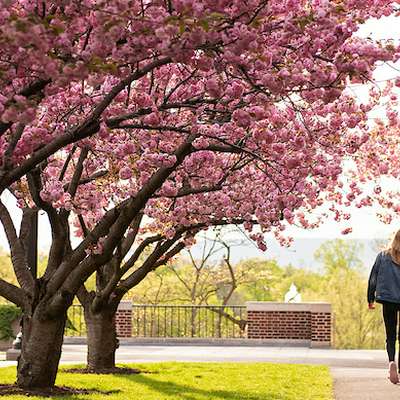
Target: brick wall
(278,325)
(123,319)
(310,322)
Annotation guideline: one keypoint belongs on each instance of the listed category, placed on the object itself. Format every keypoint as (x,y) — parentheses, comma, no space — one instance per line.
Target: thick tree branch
(73,185)
(138,251)
(89,179)
(66,164)
(84,296)
(17,251)
(139,274)
(101,229)
(170,254)
(102,296)
(113,122)
(83,225)
(35,186)
(90,127)
(26,222)
(131,235)
(31,90)
(160,128)
(19,130)
(59,228)
(124,83)
(186,191)
(12,293)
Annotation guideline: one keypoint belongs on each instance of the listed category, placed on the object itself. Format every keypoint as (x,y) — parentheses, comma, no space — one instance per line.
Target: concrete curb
(200,342)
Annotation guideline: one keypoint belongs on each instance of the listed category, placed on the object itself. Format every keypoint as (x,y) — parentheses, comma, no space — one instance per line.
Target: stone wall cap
(125,305)
(280,306)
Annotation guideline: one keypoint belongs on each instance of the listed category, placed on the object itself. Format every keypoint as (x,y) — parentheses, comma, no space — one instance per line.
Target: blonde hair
(394,247)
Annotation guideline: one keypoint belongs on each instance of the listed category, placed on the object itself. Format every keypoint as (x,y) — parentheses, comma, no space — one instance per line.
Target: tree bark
(101,339)
(41,350)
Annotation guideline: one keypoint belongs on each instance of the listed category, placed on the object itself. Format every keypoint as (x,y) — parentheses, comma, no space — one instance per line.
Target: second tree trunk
(101,339)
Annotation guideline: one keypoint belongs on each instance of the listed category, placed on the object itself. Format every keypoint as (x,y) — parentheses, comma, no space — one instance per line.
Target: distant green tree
(342,281)
(344,285)
(264,280)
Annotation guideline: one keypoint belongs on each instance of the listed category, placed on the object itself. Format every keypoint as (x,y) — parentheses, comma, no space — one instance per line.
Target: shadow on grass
(192,393)
(57,392)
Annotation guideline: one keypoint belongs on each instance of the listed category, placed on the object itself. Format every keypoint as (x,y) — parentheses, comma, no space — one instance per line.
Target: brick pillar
(321,326)
(306,324)
(123,319)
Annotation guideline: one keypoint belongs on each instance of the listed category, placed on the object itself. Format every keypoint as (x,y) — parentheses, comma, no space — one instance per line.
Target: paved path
(358,374)
(363,384)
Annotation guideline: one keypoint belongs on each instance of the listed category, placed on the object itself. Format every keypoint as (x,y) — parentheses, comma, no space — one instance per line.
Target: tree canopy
(154,119)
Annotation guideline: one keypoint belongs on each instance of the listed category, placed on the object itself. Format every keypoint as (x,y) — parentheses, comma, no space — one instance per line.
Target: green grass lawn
(200,381)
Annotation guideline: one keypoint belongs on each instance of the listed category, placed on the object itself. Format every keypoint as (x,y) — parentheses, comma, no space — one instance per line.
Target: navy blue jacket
(384,280)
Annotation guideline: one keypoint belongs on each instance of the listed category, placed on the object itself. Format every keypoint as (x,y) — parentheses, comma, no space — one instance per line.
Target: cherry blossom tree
(140,122)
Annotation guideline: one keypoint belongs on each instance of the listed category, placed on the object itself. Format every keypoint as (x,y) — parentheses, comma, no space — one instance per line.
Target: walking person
(384,288)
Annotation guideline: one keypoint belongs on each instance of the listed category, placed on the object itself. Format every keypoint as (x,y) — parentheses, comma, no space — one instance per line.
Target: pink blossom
(346,231)
(125,173)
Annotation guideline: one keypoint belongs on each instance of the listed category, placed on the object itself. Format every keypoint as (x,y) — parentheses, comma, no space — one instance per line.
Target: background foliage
(8,314)
(342,281)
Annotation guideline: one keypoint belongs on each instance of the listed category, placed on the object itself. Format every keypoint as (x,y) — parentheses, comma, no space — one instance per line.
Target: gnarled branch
(18,255)
(12,293)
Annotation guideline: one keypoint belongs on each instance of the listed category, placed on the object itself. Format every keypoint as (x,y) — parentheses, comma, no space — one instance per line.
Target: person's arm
(372,282)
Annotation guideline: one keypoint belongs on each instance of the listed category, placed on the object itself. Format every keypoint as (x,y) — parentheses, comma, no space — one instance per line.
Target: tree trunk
(101,339)
(41,351)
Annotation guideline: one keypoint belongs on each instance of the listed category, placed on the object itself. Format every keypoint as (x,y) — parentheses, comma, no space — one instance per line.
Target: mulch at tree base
(7,390)
(107,371)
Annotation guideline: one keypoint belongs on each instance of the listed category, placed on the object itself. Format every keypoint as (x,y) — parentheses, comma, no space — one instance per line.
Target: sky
(365,224)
